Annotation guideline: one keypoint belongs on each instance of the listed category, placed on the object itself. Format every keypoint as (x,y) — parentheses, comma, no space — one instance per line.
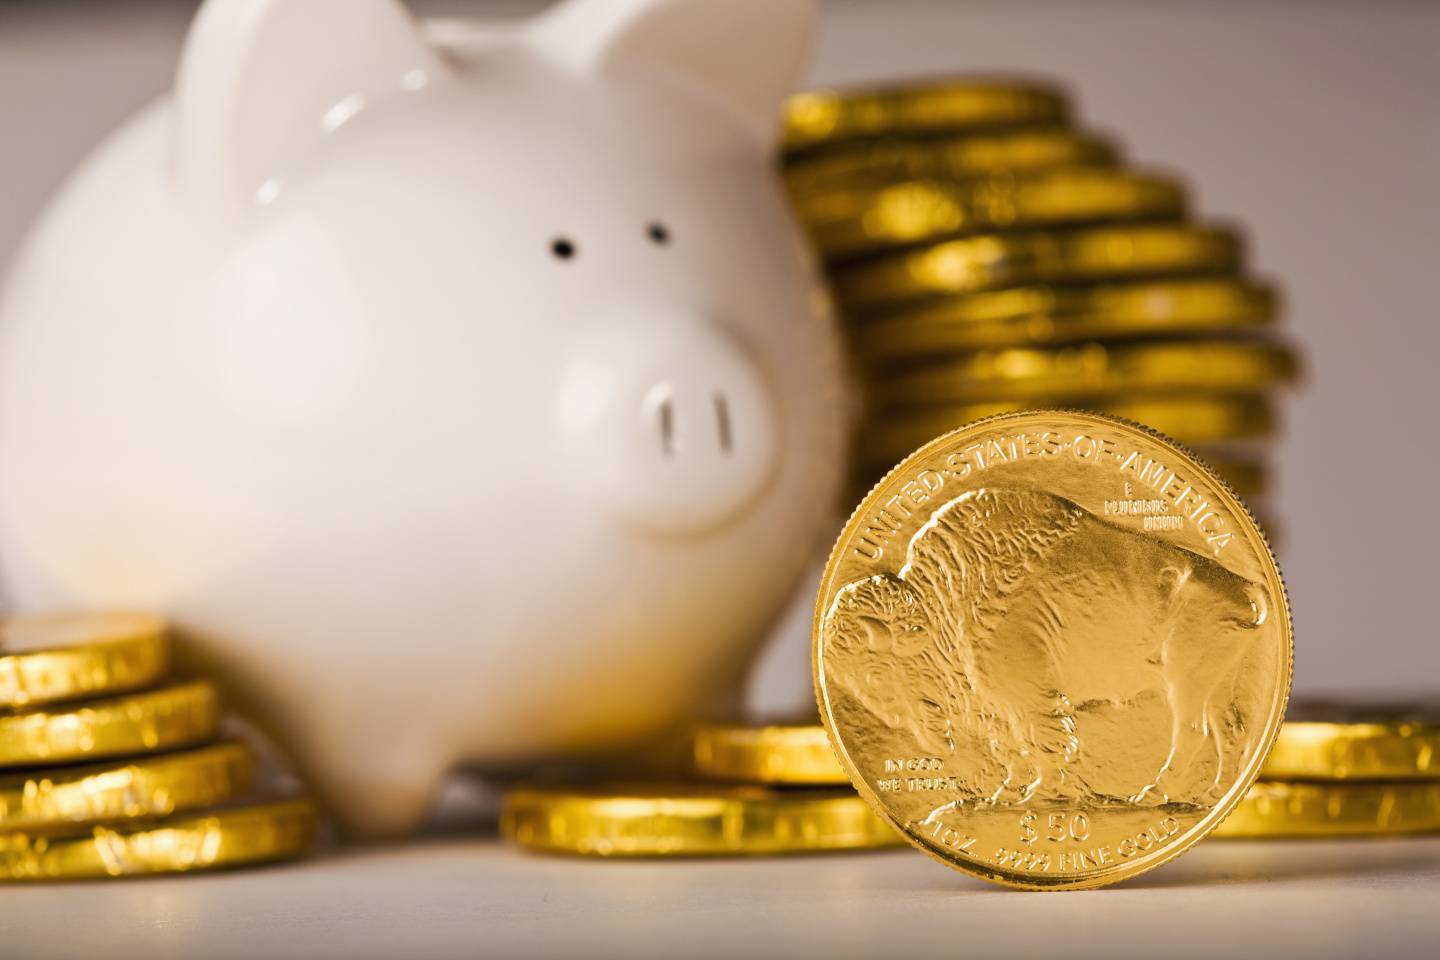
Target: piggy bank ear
(261,81)
(747,54)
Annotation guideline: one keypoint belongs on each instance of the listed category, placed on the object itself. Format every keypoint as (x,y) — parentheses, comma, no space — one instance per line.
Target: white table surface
(446,897)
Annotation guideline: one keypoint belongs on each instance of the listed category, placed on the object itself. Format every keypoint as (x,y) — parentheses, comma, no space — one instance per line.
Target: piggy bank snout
(676,425)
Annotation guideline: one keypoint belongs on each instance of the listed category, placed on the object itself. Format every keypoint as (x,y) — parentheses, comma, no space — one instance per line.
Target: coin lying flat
(686,820)
(68,657)
(776,753)
(993,261)
(149,786)
(1325,741)
(835,116)
(226,837)
(1094,369)
(862,220)
(1035,315)
(1196,420)
(1298,809)
(953,158)
(1052,649)
(146,722)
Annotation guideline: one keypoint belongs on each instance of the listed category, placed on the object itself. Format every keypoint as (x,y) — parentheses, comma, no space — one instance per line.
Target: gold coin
(1191,420)
(227,837)
(1292,809)
(1035,315)
(834,116)
(789,753)
(144,722)
(1091,369)
(150,786)
(1052,649)
(688,820)
(992,261)
(858,220)
(953,158)
(1356,742)
(68,657)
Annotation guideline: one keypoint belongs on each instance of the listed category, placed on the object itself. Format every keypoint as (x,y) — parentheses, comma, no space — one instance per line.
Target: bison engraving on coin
(1022,629)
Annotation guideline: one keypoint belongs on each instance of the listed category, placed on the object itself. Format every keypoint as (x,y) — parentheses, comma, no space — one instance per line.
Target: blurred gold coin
(49,659)
(834,116)
(145,722)
(226,837)
(1096,369)
(1037,315)
(1193,420)
(1353,809)
(1326,741)
(992,261)
(946,158)
(775,753)
(861,220)
(149,786)
(689,820)
(1053,649)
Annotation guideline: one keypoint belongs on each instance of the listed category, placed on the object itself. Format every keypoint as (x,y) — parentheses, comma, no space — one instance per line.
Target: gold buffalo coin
(1193,420)
(835,116)
(1053,649)
(992,261)
(1352,809)
(48,659)
(1093,369)
(864,220)
(960,157)
(1027,316)
(689,820)
(1329,741)
(145,722)
(772,753)
(227,837)
(149,786)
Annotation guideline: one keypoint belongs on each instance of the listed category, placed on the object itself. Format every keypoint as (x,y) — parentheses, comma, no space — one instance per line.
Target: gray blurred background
(1312,124)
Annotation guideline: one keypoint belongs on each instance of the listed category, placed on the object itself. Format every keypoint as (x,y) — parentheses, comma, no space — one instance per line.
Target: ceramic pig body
(463,401)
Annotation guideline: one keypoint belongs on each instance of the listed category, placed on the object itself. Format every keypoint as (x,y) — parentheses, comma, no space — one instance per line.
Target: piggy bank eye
(563,248)
(658,233)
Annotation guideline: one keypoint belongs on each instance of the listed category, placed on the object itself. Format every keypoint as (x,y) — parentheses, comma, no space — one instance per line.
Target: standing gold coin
(1357,742)
(228,837)
(69,657)
(861,220)
(149,786)
(1291,809)
(1053,649)
(780,754)
(145,722)
(680,820)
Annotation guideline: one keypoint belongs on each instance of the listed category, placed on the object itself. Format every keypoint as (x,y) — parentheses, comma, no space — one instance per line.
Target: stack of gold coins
(988,256)
(110,767)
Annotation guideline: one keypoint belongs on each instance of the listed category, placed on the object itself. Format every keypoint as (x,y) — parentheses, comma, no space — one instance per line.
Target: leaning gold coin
(1035,315)
(867,220)
(992,261)
(1053,649)
(227,837)
(689,820)
(148,786)
(835,116)
(1094,369)
(1357,742)
(774,753)
(49,659)
(146,722)
(1193,420)
(1358,809)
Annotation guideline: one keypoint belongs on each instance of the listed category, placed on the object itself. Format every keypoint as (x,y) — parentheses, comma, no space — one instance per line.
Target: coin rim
(1149,861)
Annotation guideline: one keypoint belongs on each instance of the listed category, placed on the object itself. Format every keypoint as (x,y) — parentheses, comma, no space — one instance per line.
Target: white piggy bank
(469,398)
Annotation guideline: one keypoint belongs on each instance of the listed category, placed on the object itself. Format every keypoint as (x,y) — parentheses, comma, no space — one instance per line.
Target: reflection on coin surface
(1356,741)
(49,659)
(1053,649)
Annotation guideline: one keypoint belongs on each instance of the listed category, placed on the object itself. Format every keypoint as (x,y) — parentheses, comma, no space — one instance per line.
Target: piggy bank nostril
(723,425)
